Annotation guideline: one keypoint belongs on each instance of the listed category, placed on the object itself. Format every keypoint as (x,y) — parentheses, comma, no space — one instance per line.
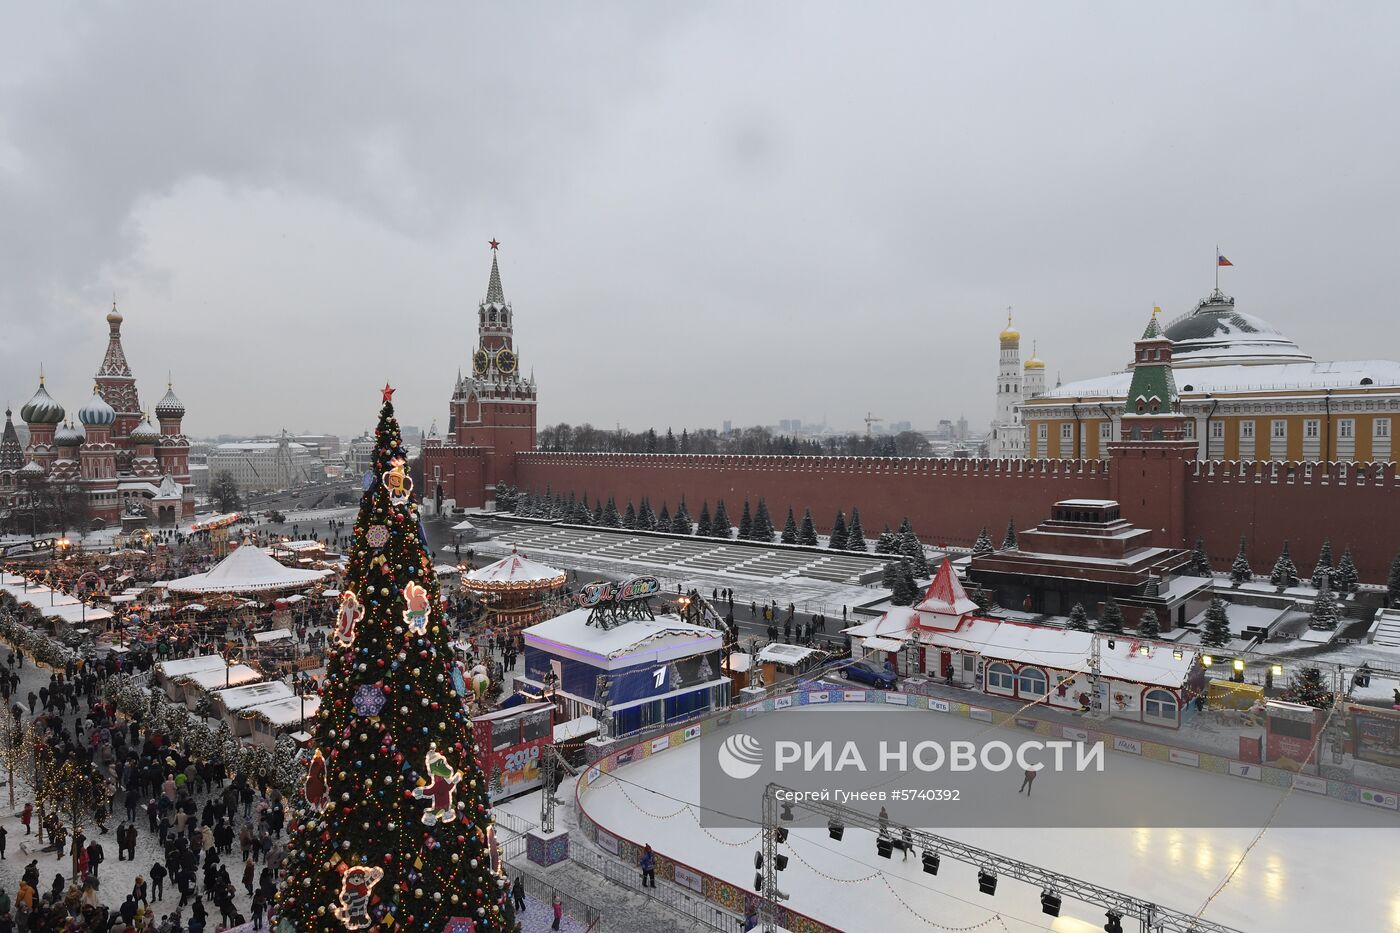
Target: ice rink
(1292,880)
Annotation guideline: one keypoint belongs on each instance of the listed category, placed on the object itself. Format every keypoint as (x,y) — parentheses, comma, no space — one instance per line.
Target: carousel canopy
(248,569)
(514,573)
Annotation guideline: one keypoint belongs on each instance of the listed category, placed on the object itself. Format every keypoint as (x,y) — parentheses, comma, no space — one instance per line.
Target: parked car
(868,672)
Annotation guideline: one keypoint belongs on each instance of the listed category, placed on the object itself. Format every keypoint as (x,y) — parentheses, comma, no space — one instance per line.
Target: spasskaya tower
(491,416)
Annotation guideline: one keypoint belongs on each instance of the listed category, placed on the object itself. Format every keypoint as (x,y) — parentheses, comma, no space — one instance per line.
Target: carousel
(515,592)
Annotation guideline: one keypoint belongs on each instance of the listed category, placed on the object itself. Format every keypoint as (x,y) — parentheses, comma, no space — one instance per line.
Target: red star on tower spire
(494,244)
(388,392)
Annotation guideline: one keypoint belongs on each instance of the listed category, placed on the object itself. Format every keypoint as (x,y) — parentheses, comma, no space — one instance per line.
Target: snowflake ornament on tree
(369,699)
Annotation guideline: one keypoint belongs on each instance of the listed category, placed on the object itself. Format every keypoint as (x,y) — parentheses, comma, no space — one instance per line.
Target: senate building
(1246,390)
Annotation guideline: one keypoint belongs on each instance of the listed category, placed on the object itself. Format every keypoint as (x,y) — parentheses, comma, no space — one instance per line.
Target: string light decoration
(367,859)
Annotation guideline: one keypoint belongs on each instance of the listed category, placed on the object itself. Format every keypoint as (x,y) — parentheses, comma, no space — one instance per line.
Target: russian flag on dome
(1222,261)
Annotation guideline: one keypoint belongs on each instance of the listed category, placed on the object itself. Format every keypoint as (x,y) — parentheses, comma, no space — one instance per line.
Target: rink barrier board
(735,898)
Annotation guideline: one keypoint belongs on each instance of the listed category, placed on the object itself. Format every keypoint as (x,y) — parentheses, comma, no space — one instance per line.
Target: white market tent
(248,569)
(233,675)
(464,526)
(236,698)
(277,634)
(287,711)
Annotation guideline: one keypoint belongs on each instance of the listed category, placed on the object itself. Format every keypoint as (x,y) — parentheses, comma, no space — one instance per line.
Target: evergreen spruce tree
(1323,571)
(762,523)
(663,520)
(1148,626)
(913,550)
(983,545)
(904,526)
(1215,633)
(1200,561)
(982,598)
(397,835)
(722,524)
(1284,573)
(745,523)
(1078,618)
(705,528)
(1240,571)
(789,529)
(1346,576)
(1392,583)
(680,524)
(598,512)
(646,518)
(629,517)
(838,534)
(684,514)
(1325,615)
(807,535)
(889,576)
(855,534)
(1308,688)
(1009,542)
(908,583)
(885,544)
(610,517)
(1111,621)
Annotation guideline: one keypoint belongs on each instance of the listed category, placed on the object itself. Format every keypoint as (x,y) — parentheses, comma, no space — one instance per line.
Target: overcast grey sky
(707,211)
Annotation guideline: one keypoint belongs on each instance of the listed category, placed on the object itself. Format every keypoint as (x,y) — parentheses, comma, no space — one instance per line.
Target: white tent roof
(277,634)
(183,667)
(247,569)
(232,676)
(236,698)
(464,526)
(287,710)
(515,569)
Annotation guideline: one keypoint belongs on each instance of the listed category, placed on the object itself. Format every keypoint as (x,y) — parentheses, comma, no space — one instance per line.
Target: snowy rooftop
(779,653)
(186,666)
(946,595)
(235,698)
(515,569)
(247,569)
(277,634)
(223,676)
(663,639)
(1198,380)
(287,710)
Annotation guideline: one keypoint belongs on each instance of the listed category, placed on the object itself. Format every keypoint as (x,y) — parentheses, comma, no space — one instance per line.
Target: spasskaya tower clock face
(505,361)
(480,361)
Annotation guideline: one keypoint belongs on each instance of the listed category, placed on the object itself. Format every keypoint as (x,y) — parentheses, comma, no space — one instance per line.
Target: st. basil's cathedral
(124,464)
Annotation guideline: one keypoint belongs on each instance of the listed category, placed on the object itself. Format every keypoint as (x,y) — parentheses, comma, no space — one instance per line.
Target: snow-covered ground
(1290,880)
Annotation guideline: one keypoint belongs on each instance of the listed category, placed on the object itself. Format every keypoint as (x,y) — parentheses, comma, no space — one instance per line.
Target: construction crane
(869,420)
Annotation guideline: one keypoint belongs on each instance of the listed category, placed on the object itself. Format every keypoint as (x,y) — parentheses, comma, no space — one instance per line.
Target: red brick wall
(1268,505)
(946,500)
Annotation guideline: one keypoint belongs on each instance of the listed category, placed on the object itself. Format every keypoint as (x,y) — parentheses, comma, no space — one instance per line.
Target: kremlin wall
(1149,458)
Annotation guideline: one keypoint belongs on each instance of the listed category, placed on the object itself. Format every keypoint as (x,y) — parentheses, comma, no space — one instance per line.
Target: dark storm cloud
(744,211)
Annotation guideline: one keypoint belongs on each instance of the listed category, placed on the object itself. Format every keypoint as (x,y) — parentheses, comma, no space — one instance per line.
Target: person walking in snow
(648,865)
(1027,781)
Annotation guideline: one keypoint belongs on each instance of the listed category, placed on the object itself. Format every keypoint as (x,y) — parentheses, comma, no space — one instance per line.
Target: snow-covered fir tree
(885,544)
(807,534)
(1392,583)
(913,550)
(1111,619)
(705,528)
(1284,574)
(855,534)
(762,523)
(1240,571)
(1325,614)
(610,517)
(1215,632)
(1200,560)
(789,529)
(1078,618)
(722,527)
(983,545)
(663,519)
(1009,542)
(838,533)
(1148,626)
(629,517)
(598,513)
(1346,578)
(680,523)
(745,523)
(1323,571)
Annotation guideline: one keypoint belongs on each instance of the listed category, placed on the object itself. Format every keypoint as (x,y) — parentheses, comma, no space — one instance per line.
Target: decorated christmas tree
(1308,687)
(394,831)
